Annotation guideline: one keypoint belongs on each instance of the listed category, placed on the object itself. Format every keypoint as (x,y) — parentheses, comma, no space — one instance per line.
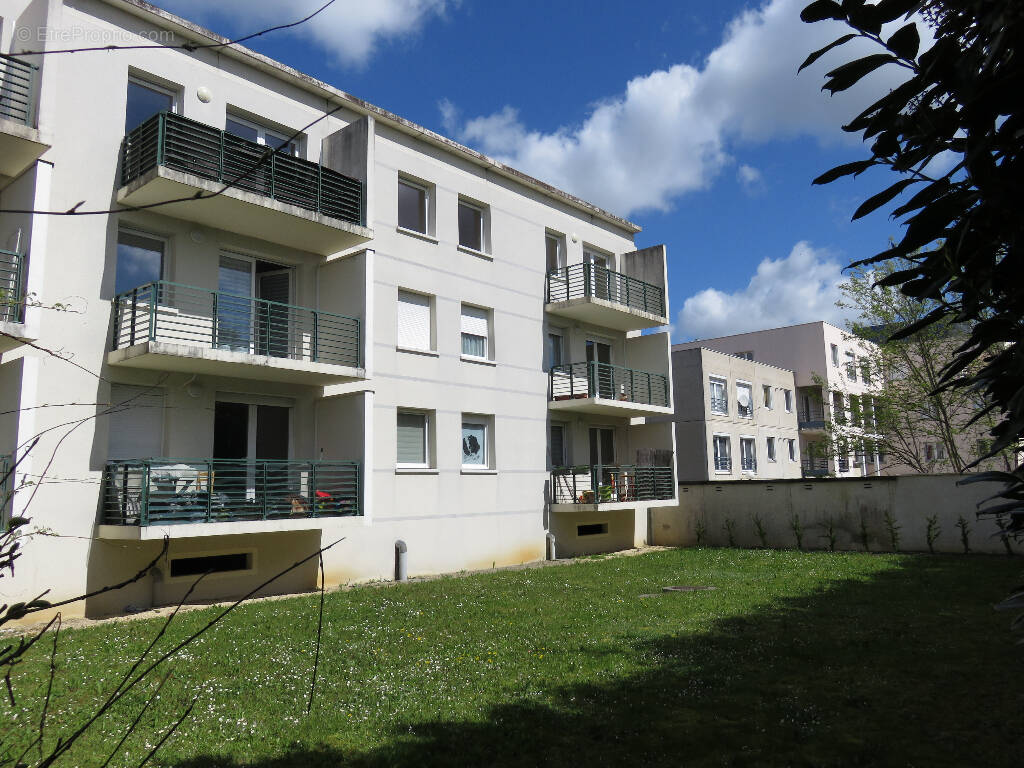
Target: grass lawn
(794,659)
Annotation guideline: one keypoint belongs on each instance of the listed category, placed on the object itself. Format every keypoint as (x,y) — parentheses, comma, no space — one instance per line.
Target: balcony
(272,196)
(20,143)
(592,294)
(12,299)
(608,390)
(748,464)
(723,463)
(170,327)
(814,467)
(608,487)
(144,498)
(811,419)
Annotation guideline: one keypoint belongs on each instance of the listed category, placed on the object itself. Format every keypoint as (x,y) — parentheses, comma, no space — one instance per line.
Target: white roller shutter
(136,422)
(413,322)
(474,320)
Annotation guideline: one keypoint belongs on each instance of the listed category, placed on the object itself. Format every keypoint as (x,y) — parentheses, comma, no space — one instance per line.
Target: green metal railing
(592,281)
(17,90)
(184,314)
(604,483)
(180,491)
(12,300)
(612,382)
(187,145)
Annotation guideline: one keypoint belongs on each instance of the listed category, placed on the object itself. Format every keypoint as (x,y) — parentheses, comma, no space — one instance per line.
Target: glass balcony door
(599,358)
(247,321)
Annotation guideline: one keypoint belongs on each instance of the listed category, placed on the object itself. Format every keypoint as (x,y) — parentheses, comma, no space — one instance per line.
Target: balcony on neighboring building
(20,143)
(608,487)
(247,187)
(814,467)
(12,300)
(608,390)
(810,409)
(593,294)
(147,498)
(170,327)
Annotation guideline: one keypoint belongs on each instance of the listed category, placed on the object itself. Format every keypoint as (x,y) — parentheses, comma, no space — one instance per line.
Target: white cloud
(799,288)
(349,30)
(673,130)
(750,178)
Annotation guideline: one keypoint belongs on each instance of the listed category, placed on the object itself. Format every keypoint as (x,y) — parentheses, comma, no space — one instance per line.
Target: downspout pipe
(401,561)
(550,539)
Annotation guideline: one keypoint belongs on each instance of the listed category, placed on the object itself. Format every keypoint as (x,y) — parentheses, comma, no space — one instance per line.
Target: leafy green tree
(961,246)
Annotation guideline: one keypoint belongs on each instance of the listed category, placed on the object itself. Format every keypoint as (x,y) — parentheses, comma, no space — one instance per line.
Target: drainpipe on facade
(401,561)
(550,539)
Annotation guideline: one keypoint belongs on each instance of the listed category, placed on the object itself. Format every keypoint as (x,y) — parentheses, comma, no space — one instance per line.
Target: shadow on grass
(911,667)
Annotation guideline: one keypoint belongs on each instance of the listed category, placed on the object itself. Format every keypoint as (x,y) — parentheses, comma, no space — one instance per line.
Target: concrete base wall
(845,504)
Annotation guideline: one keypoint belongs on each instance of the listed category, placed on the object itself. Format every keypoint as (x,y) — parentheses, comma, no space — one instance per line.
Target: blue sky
(686,117)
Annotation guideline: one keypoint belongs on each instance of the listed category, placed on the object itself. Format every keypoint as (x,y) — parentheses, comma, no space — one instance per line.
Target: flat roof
(690,344)
(731,354)
(192,31)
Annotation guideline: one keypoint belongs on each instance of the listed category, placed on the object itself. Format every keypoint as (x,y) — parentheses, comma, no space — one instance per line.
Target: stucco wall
(909,500)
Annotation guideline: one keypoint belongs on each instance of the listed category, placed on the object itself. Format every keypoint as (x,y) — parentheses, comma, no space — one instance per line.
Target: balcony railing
(748,464)
(179,491)
(723,463)
(591,281)
(809,417)
(169,312)
(611,382)
(12,300)
(720,405)
(609,484)
(814,467)
(844,464)
(186,145)
(17,90)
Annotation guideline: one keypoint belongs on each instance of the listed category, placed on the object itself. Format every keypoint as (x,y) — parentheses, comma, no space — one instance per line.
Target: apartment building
(833,382)
(735,418)
(306,320)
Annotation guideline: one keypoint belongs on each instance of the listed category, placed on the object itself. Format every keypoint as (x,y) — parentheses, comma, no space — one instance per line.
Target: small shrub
(965,533)
(798,530)
(894,531)
(864,534)
(730,531)
(762,533)
(830,533)
(701,530)
(932,531)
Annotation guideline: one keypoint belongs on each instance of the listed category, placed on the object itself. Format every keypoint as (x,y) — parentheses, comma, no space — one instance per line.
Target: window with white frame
(719,399)
(555,351)
(414,206)
(865,371)
(140,260)
(723,453)
(748,454)
(838,408)
(557,445)
(851,366)
(282,141)
(770,445)
(766,392)
(554,251)
(414,323)
(472,226)
(787,395)
(476,441)
(146,99)
(475,327)
(835,354)
(413,433)
(744,400)
(792,448)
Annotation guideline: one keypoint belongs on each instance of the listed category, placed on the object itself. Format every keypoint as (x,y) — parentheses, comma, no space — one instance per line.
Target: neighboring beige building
(832,381)
(373,334)
(735,419)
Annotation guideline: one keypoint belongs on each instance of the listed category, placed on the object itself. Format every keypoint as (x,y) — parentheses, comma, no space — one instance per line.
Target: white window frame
(753,453)
(175,94)
(715,437)
(431,349)
(750,387)
(767,396)
(724,382)
(560,333)
(787,397)
(486,337)
(560,256)
(487,422)
(850,363)
(835,354)
(428,206)
(771,449)
(791,442)
(485,213)
(164,254)
(262,131)
(427,430)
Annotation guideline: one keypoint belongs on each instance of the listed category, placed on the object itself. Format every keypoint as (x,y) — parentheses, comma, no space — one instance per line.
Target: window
(744,401)
(140,260)
(723,453)
(787,395)
(554,248)
(940,451)
(475,327)
(474,443)
(144,101)
(748,454)
(413,201)
(838,409)
(413,427)
(555,349)
(472,220)
(792,449)
(865,371)
(414,327)
(767,393)
(855,415)
(851,366)
(197,566)
(719,401)
(835,354)
(591,529)
(771,449)
(748,355)
(983,446)
(559,457)
(260,134)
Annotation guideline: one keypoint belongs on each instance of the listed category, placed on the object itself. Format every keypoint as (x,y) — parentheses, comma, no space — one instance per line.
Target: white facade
(398,360)
(832,382)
